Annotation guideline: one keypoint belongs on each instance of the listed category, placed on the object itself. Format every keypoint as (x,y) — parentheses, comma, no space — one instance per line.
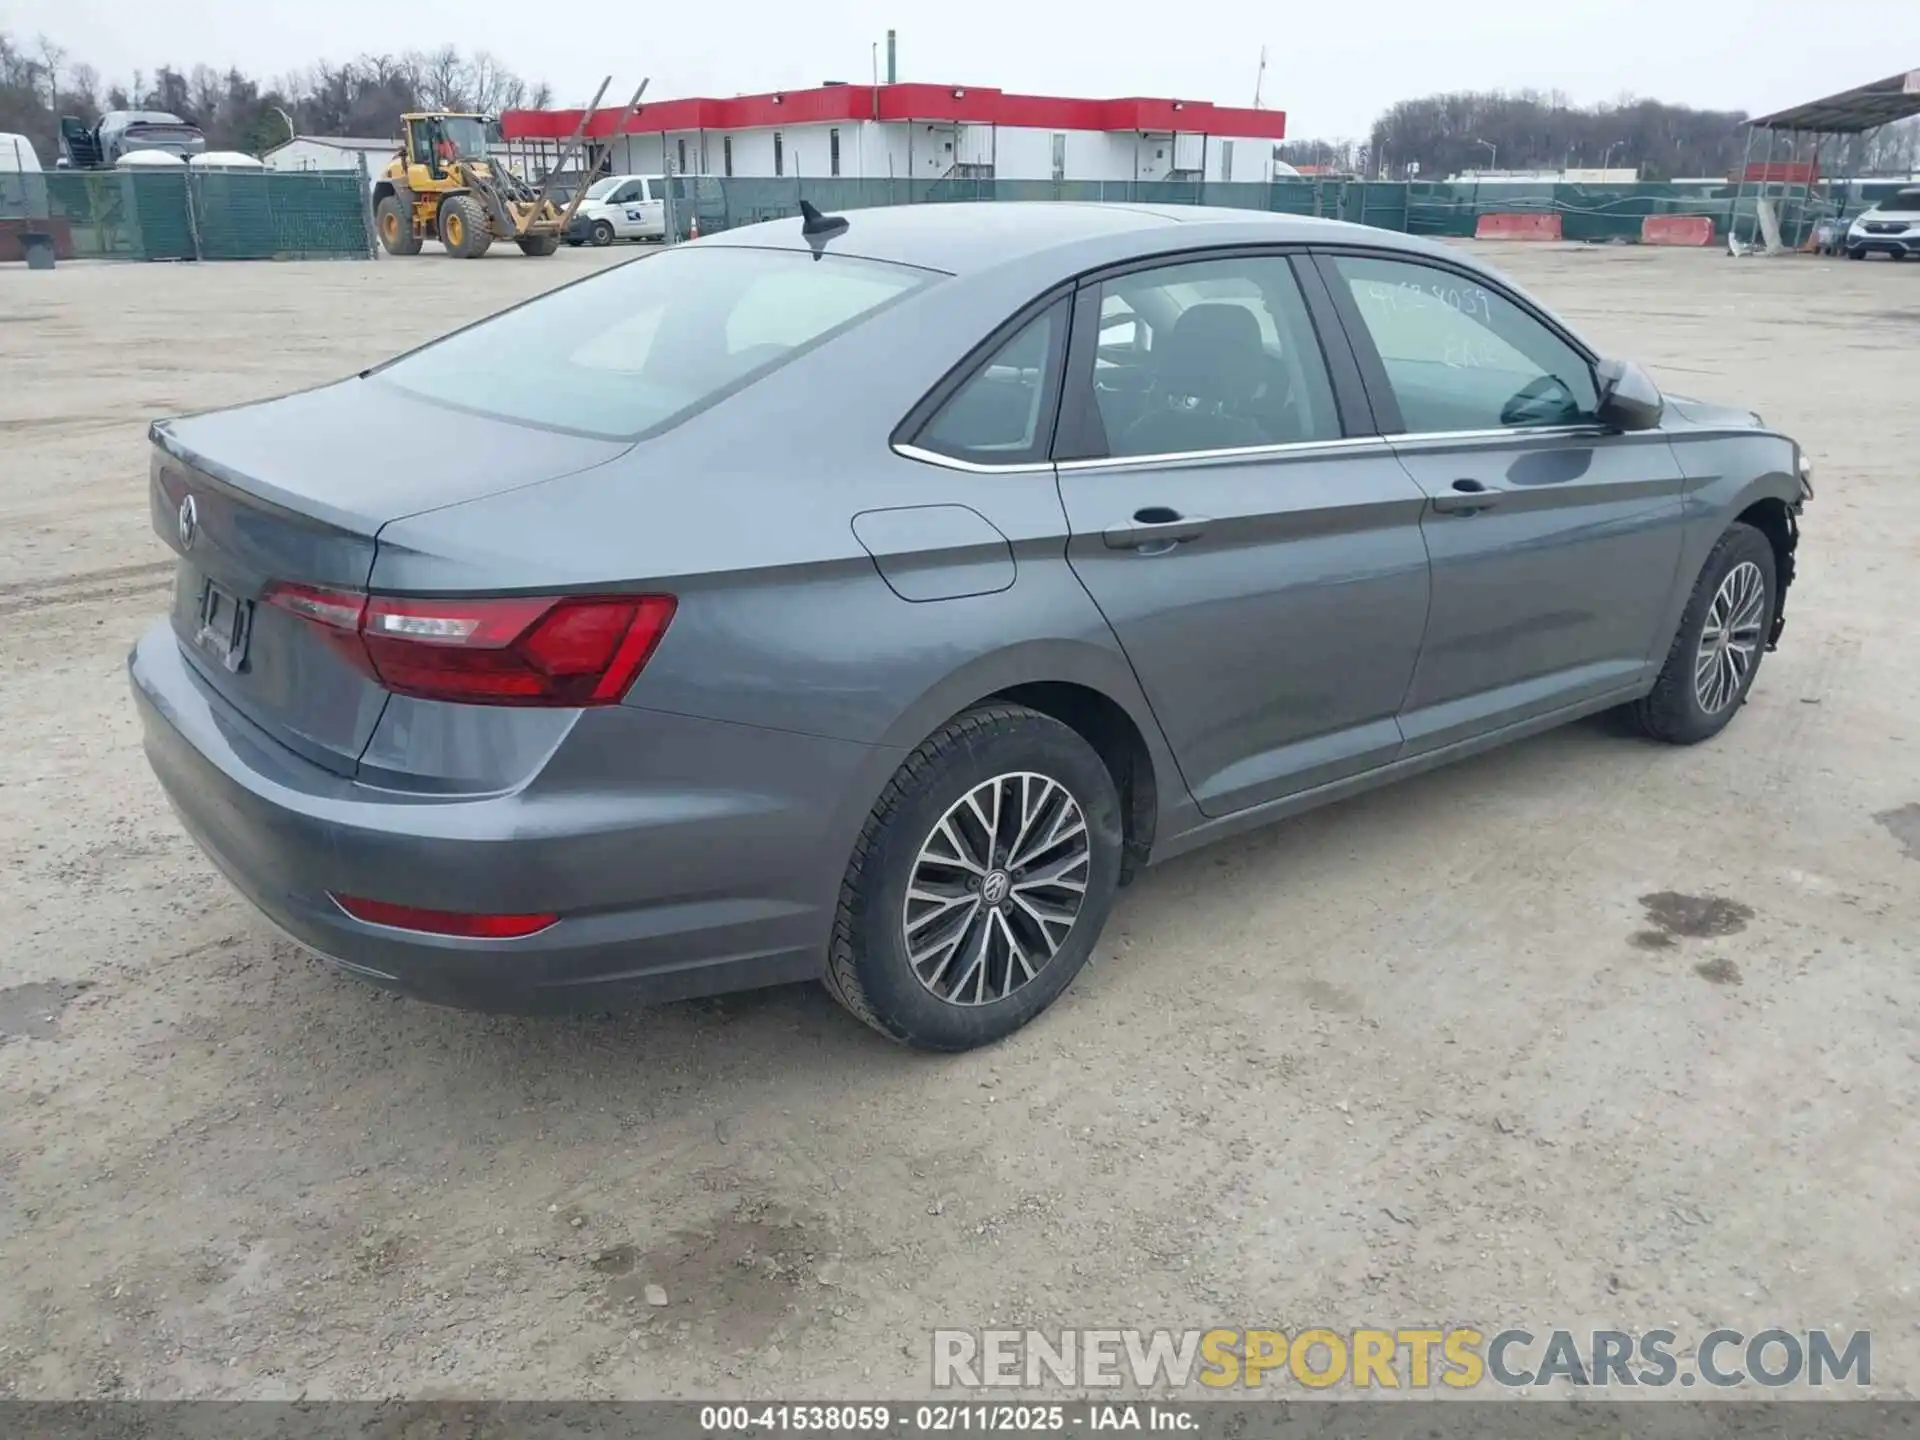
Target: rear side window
(644,345)
(1002,414)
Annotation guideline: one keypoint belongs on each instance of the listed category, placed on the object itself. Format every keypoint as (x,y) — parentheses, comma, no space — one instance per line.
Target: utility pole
(1260,78)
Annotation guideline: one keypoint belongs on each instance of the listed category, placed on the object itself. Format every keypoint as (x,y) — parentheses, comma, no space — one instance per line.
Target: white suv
(1891,228)
(620,207)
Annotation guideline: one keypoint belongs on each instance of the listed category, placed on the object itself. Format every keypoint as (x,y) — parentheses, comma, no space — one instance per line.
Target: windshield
(467,135)
(1907,202)
(642,346)
(600,189)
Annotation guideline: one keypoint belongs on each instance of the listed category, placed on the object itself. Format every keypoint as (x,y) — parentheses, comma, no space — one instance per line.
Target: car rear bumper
(711,869)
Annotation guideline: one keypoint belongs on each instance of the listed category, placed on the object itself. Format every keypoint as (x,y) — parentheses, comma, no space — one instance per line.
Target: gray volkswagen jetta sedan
(864,598)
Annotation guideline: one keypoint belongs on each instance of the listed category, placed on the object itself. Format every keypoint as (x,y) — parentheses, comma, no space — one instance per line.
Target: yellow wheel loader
(445,184)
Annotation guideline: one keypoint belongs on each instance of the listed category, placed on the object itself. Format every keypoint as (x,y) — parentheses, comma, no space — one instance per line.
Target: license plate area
(225,624)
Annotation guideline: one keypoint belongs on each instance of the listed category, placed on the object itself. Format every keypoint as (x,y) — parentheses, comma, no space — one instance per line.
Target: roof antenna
(816,228)
(812,222)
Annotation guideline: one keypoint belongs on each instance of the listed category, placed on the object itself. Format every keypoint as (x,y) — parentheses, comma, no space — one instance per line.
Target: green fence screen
(1588,213)
(178,214)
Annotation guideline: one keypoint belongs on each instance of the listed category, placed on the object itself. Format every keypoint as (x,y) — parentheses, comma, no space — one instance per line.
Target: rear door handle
(1470,497)
(1154,530)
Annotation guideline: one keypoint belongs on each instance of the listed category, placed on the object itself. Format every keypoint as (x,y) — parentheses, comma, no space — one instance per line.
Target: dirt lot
(1439,1055)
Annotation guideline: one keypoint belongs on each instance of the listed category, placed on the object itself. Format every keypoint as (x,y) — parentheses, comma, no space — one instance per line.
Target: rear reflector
(443,922)
(568,650)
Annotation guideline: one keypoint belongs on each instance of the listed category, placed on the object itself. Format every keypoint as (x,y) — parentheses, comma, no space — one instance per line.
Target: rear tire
(463,227)
(1716,654)
(539,244)
(991,939)
(393,218)
(602,233)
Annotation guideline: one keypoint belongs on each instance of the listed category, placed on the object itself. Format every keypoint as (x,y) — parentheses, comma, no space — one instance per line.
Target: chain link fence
(1588,213)
(187,214)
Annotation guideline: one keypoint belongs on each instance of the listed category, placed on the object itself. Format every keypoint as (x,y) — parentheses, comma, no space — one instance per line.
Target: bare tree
(209,91)
(366,96)
(83,85)
(52,57)
(443,80)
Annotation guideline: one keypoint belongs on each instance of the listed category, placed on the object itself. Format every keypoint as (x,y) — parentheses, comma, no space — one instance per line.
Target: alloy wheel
(1730,640)
(996,888)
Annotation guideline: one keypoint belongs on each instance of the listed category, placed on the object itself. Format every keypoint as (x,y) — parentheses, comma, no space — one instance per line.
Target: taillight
(567,650)
(443,922)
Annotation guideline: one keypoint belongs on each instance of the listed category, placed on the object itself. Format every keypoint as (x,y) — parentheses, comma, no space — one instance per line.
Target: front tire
(980,882)
(463,227)
(602,233)
(539,244)
(1722,638)
(393,218)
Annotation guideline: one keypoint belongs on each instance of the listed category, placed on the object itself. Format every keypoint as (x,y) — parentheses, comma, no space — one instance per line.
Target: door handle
(1154,530)
(1470,497)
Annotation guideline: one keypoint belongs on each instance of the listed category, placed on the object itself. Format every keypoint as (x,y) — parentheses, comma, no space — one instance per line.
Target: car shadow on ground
(797,1035)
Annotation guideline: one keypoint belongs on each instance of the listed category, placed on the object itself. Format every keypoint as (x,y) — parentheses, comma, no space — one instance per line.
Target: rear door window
(1209,355)
(642,346)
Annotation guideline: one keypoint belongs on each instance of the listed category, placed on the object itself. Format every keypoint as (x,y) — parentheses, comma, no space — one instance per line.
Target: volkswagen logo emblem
(189,522)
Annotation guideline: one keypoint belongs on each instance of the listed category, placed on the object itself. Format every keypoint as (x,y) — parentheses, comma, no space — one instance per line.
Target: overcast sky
(1331,66)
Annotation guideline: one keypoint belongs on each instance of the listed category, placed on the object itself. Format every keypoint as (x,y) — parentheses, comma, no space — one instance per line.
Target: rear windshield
(645,344)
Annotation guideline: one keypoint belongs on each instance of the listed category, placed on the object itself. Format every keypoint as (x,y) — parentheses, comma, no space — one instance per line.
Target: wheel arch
(1087,687)
(1771,505)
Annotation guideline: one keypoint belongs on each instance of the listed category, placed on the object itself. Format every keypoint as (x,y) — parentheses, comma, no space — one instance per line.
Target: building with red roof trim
(928,132)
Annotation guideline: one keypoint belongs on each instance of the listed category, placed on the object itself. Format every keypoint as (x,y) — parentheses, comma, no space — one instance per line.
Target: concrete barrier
(1533,226)
(1676,230)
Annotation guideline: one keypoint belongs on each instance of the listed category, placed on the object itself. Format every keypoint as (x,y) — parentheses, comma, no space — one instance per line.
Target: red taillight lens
(443,922)
(570,650)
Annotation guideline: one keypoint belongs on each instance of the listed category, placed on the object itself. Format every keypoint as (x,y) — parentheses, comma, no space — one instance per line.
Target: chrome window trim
(1348,444)
(1541,432)
(971,467)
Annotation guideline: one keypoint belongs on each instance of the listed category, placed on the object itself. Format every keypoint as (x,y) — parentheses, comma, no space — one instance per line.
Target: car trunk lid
(294,492)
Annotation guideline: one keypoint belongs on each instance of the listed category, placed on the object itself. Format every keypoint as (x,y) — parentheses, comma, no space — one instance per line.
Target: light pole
(286,117)
(1607,159)
(1493,151)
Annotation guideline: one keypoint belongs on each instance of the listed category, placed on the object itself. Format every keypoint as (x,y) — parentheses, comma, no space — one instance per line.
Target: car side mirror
(1629,400)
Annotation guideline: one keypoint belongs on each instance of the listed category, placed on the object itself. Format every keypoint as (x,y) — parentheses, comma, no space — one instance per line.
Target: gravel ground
(1585,1032)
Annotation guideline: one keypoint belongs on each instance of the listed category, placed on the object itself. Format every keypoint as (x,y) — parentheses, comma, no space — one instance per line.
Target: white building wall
(1153,156)
(1252,158)
(976,145)
(1023,154)
(886,149)
(318,155)
(901,150)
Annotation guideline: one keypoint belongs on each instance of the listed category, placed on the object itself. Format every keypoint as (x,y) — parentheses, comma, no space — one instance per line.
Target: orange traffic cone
(693,226)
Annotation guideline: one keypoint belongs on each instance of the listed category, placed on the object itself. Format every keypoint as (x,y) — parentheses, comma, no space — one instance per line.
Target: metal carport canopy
(1852,112)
